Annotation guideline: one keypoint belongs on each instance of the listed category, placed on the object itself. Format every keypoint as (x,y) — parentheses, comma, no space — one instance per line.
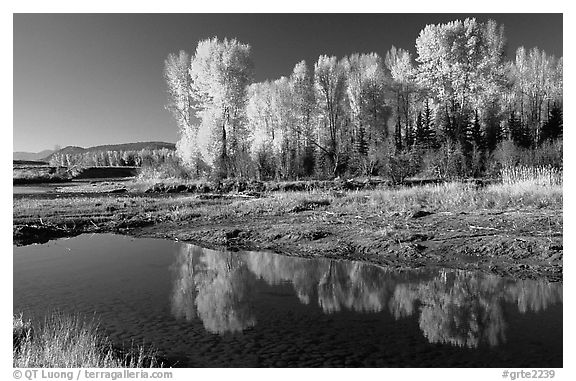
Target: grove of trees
(113,158)
(457,109)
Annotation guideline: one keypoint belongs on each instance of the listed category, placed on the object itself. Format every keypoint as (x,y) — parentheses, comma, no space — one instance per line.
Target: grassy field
(63,341)
(433,198)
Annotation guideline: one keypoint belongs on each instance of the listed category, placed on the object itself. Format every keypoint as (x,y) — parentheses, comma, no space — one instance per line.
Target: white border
(296,6)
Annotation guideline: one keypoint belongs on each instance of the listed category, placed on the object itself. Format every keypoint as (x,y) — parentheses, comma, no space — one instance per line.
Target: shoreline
(521,242)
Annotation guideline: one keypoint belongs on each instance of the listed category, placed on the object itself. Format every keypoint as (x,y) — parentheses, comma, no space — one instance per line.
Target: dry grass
(445,197)
(456,196)
(531,176)
(70,342)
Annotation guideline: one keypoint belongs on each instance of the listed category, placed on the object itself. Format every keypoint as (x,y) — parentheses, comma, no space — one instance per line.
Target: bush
(446,163)
(509,155)
(477,162)
(403,165)
(172,170)
(548,153)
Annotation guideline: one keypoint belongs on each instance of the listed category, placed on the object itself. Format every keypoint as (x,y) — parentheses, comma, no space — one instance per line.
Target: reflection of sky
(454,307)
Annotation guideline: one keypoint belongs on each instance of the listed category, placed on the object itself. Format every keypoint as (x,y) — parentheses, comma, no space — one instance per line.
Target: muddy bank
(521,243)
(462,241)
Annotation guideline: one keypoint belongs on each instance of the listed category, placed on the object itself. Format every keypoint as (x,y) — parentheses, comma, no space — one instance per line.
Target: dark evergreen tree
(420,135)
(476,136)
(518,132)
(464,136)
(361,142)
(449,127)
(308,160)
(424,135)
(410,137)
(552,129)
(494,131)
(428,126)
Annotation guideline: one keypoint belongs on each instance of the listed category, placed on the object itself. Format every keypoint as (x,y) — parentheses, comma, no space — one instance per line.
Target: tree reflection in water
(216,286)
(455,307)
(302,273)
(464,309)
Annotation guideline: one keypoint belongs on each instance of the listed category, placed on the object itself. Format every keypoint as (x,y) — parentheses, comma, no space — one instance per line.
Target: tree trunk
(224,154)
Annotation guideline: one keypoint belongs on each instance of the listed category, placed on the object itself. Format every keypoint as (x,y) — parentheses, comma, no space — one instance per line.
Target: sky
(93,79)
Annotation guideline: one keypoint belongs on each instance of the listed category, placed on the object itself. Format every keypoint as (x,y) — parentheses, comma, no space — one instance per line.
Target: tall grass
(531,192)
(446,197)
(536,176)
(452,196)
(63,341)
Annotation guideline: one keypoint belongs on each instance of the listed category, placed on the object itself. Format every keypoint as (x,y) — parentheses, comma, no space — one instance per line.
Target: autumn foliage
(455,104)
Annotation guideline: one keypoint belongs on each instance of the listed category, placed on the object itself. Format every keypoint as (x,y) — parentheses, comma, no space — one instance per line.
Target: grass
(64,341)
(443,197)
(457,196)
(37,219)
(531,176)
(440,197)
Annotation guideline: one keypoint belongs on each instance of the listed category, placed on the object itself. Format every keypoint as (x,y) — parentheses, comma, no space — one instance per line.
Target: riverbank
(513,230)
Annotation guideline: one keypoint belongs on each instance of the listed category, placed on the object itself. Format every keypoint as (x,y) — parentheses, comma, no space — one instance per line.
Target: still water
(41,188)
(202,307)
(33,189)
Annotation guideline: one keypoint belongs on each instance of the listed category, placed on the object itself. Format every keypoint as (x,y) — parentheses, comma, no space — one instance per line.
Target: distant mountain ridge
(47,154)
(32,156)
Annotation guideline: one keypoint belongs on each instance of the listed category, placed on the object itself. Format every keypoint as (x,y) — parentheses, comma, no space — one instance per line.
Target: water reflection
(453,307)
(464,309)
(338,285)
(457,308)
(215,286)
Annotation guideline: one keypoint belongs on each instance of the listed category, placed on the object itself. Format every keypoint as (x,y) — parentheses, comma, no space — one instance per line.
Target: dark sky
(91,79)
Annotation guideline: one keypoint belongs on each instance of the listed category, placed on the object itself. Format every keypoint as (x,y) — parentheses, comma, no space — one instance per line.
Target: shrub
(172,170)
(548,153)
(508,155)
(446,163)
(403,165)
